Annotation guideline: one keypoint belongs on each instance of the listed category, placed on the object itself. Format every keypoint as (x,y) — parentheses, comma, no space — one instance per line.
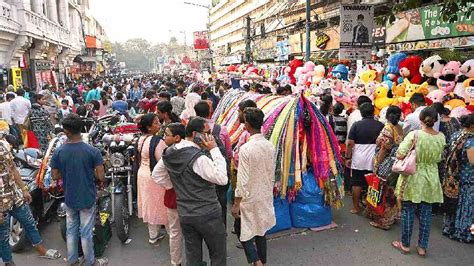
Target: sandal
(101,262)
(51,254)
(421,252)
(398,245)
(354,211)
(376,225)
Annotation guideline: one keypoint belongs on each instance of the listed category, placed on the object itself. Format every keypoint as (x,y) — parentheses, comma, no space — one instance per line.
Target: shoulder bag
(407,166)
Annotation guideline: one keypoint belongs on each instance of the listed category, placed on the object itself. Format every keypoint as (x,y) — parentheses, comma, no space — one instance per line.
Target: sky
(153,20)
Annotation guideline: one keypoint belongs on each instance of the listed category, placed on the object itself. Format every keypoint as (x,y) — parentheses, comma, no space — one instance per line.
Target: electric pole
(248,41)
(308,31)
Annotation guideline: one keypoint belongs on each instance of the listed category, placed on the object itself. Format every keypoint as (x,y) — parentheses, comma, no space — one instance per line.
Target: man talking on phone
(193,167)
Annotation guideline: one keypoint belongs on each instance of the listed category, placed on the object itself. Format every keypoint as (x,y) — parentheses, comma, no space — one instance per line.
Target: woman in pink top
(105,103)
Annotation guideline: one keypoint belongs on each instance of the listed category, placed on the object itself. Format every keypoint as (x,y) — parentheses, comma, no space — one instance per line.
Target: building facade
(273,31)
(39,40)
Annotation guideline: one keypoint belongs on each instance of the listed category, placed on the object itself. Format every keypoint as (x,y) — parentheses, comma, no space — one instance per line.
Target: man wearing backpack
(223,143)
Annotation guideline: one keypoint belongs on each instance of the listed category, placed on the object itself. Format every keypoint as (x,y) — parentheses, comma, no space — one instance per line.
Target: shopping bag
(374,193)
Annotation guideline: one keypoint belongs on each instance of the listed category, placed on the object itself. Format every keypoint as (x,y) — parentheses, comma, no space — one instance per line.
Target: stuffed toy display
(410,69)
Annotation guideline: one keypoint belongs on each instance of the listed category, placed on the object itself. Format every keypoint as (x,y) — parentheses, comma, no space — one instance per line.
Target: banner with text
(425,23)
(201,40)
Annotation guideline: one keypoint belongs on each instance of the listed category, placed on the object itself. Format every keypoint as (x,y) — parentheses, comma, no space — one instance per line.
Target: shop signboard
(378,35)
(425,23)
(201,40)
(321,40)
(16,76)
(357,22)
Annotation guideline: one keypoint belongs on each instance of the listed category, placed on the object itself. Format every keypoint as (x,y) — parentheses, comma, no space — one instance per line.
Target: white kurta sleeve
(243,175)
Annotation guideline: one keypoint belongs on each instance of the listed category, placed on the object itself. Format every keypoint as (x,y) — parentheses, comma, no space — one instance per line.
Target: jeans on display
(80,223)
(209,228)
(256,248)
(24,216)
(408,218)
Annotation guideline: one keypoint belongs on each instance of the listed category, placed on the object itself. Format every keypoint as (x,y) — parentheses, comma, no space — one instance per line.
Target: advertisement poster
(425,24)
(357,23)
(201,40)
(16,76)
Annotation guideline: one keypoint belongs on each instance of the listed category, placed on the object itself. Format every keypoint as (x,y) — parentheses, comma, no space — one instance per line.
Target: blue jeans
(23,215)
(80,222)
(408,218)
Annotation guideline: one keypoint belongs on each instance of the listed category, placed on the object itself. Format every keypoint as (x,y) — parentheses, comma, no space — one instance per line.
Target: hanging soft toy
(367,76)
(410,69)
(411,89)
(392,71)
(469,87)
(381,99)
(319,73)
(285,78)
(466,72)
(436,96)
(308,71)
(448,77)
(340,72)
(294,64)
(430,67)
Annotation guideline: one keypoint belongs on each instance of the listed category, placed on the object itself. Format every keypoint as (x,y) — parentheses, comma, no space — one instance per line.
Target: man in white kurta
(254,192)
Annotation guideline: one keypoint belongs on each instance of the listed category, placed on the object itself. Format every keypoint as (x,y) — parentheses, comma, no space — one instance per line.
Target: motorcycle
(43,204)
(119,172)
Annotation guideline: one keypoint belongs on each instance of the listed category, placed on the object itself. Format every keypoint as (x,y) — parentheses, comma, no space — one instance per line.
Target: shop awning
(85,59)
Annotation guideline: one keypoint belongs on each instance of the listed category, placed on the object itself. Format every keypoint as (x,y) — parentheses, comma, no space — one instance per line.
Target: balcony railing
(8,18)
(39,26)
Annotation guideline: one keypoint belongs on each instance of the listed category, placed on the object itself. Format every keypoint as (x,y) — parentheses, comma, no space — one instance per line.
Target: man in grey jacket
(193,167)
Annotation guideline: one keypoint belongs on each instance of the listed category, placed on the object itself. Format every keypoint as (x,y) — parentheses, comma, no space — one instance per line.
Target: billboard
(425,24)
(201,40)
(357,23)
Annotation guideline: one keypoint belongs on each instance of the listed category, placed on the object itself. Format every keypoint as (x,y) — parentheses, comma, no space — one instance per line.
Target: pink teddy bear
(448,77)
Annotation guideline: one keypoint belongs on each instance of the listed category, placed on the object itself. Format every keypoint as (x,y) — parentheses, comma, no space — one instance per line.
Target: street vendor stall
(308,167)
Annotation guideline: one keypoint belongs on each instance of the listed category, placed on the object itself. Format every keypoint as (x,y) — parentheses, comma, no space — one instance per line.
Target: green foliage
(452,55)
(139,54)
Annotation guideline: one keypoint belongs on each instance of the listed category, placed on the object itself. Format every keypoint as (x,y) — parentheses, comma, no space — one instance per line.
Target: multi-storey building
(39,40)
(236,25)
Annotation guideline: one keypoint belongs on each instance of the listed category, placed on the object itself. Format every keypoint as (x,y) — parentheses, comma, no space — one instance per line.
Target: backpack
(216,131)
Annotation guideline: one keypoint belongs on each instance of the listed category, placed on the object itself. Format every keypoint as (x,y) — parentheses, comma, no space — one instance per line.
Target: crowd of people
(187,164)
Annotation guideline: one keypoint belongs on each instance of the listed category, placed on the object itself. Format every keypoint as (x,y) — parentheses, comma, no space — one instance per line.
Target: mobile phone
(198,138)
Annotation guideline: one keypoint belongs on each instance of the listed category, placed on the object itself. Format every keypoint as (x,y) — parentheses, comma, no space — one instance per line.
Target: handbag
(384,168)
(407,166)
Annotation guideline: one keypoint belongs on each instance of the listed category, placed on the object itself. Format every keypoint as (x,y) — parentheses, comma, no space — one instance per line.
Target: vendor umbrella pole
(308,29)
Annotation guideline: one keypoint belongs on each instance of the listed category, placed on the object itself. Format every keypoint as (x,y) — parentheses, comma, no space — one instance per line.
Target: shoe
(239,245)
(155,240)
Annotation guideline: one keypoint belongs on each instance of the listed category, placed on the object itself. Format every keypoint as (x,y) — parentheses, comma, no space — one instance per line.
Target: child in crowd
(65,110)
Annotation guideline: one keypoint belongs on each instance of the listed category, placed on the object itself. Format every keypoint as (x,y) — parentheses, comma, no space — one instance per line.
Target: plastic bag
(308,210)
(282,215)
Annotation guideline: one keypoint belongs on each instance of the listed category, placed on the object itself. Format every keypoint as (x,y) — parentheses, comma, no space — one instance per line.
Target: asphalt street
(353,242)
